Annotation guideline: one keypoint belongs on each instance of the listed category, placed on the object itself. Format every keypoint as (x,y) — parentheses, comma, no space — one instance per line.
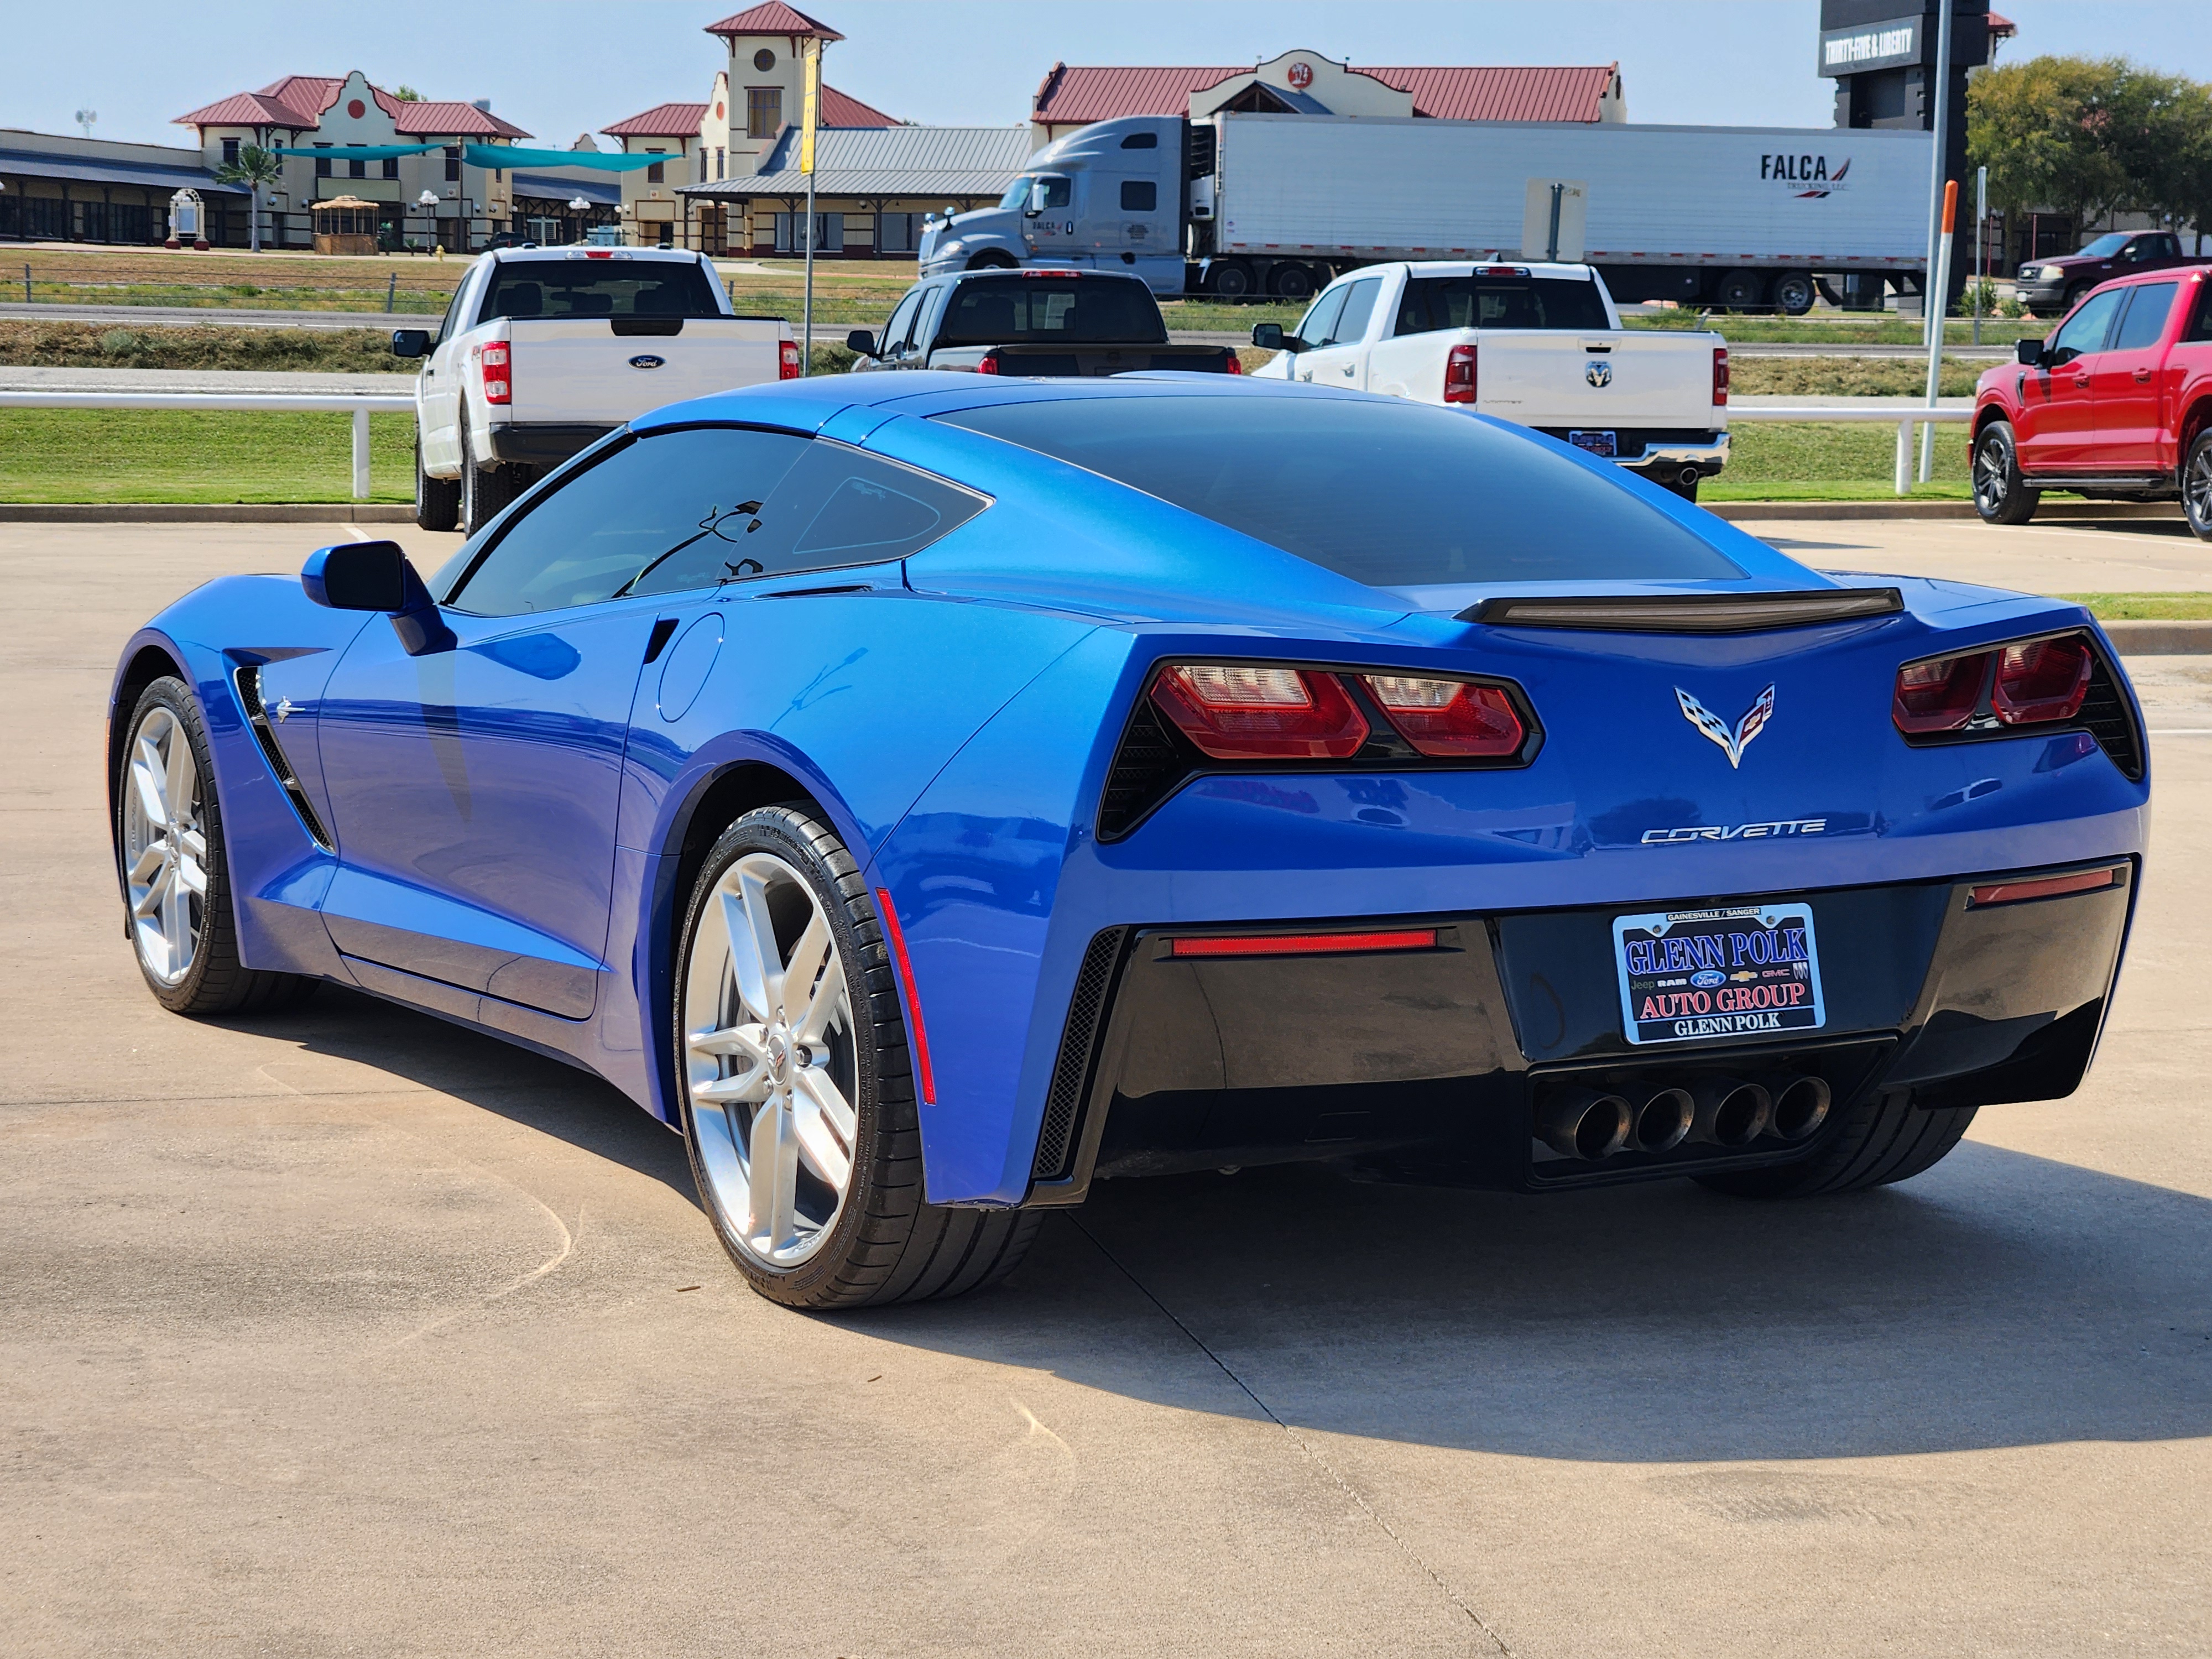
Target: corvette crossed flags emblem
(1733,742)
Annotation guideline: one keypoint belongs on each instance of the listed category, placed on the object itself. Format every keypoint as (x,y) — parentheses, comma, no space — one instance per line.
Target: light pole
(579,207)
(427,201)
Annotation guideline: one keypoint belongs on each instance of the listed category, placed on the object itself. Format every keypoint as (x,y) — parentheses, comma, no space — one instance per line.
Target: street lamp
(579,207)
(427,201)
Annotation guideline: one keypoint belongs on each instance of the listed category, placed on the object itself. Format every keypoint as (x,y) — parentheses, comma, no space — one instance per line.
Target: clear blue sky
(559,67)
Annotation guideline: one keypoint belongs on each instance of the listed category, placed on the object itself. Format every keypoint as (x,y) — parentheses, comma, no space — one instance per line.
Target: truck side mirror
(1269,337)
(2029,352)
(410,341)
(862,341)
(376,576)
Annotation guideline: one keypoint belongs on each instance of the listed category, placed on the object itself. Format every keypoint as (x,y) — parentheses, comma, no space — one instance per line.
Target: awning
(508,156)
(598,193)
(35,165)
(360,152)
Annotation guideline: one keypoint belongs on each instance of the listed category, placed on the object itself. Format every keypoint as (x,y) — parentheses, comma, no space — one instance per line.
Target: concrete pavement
(347,1331)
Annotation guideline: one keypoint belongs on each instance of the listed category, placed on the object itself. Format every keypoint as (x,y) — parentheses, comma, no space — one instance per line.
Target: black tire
(1291,281)
(2001,494)
(887,1244)
(437,501)
(1741,291)
(2073,297)
(2196,485)
(993,260)
(1885,1138)
(215,981)
(486,491)
(1231,279)
(1794,293)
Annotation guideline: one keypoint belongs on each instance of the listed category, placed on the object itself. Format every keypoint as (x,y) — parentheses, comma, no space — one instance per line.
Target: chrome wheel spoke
(149,775)
(748,961)
(825,1126)
(772,1179)
(150,902)
(149,864)
(814,982)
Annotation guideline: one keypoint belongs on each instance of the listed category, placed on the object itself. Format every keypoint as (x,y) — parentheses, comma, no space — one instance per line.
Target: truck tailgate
(580,370)
(1633,379)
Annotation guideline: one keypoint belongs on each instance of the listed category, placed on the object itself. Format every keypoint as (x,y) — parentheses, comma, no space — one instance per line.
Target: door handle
(2081,381)
(2143,377)
(1348,367)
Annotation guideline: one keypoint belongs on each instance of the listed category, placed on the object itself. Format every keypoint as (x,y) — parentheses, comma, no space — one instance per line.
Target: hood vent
(1690,613)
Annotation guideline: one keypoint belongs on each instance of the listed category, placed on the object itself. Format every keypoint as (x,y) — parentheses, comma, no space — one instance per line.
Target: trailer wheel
(1741,291)
(1231,278)
(1794,293)
(1291,281)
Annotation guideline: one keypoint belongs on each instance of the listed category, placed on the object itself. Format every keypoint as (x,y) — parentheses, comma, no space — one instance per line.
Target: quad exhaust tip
(1663,1119)
(1584,1123)
(1732,1113)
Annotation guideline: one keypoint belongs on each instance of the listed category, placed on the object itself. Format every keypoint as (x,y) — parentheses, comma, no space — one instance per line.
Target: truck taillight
(787,367)
(1459,375)
(1720,376)
(492,362)
(1235,365)
(988,364)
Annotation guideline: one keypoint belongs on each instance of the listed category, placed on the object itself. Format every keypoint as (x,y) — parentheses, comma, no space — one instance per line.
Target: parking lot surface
(350,1331)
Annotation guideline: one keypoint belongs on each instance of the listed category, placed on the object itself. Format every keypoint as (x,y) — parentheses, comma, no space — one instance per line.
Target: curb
(2159,639)
(207,512)
(1735,512)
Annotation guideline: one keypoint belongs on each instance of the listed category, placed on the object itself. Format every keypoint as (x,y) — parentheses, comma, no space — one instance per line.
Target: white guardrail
(360,405)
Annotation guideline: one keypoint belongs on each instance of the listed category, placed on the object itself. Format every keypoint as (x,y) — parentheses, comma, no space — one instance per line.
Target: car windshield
(2107,244)
(1391,494)
(1052,311)
(614,287)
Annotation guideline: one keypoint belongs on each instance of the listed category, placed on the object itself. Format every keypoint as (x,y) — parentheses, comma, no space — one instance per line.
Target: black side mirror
(862,341)
(376,576)
(2029,352)
(1269,337)
(410,341)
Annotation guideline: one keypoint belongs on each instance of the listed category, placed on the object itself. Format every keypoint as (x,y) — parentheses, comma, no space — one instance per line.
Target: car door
(474,790)
(895,345)
(441,389)
(2126,382)
(2058,427)
(1340,358)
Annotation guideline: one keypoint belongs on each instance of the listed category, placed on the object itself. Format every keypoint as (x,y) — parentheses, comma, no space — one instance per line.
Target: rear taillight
(1448,717)
(491,361)
(1235,365)
(2042,680)
(1720,376)
(1940,696)
(1239,712)
(786,367)
(989,365)
(1459,375)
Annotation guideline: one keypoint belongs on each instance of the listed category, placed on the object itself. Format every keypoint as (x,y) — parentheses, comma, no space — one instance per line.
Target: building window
(392,167)
(701,169)
(763,112)
(356,168)
(452,164)
(764,60)
(791,233)
(322,163)
(895,232)
(655,174)
(718,161)
(230,152)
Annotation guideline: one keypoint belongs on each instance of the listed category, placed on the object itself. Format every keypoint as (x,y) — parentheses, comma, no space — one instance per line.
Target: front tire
(1884,1139)
(2196,486)
(796,1095)
(175,869)
(2001,494)
(437,501)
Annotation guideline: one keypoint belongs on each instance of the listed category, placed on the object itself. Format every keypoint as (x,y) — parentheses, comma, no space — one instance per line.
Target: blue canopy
(361,152)
(508,155)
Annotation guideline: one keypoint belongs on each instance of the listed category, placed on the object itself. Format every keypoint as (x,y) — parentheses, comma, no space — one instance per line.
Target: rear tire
(437,501)
(2001,494)
(175,867)
(993,261)
(1231,278)
(1291,281)
(1741,291)
(2196,486)
(821,1082)
(1884,1139)
(1794,294)
(487,492)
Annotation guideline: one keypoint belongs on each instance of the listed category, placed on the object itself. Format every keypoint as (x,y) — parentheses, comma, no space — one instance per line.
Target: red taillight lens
(1459,375)
(1450,717)
(989,364)
(2019,892)
(1720,376)
(2042,680)
(1235,365)
(1238,712)
(1940,696)
(786,367)
(492,360)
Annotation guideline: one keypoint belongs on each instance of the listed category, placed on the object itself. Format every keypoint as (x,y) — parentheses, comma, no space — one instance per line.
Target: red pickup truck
(2115,404)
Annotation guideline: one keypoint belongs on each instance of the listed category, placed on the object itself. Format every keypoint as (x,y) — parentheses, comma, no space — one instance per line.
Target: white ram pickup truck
(545,350)
(1540,345)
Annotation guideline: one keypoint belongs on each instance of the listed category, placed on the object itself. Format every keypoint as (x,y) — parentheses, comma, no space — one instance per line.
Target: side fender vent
(248,681)
(2104,712)
(1148,766)
(1070,1072)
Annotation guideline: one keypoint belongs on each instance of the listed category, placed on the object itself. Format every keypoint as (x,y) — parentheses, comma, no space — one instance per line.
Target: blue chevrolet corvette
(931,795)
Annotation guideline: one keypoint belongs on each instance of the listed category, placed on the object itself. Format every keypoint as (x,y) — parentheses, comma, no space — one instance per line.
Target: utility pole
(1931,303)
(1981,247)
(809,111)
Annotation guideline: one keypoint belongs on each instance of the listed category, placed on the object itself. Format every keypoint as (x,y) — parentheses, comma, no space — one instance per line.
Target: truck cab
(1108,198)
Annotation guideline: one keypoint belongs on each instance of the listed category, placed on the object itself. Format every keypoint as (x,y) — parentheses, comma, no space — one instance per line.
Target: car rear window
(1022,310)
(599,288)
(1437,302)
(1394,495)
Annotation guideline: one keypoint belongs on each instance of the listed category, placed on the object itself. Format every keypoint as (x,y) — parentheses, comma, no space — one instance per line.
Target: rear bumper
(541,445)
(1437,1061)
(1663,449)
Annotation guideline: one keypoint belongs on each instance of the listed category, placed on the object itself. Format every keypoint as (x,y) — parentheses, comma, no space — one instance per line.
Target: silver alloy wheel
(770,1060)
(164,845)
(2197,489)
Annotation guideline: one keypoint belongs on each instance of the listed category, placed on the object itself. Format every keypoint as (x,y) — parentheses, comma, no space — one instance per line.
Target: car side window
(902,319)
(2200,327)
(836,505)
(1351,324)
(2145,323)
(450,325)
(1313,328)
(637,510)
(2085,331)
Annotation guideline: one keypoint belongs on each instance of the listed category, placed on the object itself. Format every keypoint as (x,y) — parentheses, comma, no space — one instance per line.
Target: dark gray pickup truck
(1031,322)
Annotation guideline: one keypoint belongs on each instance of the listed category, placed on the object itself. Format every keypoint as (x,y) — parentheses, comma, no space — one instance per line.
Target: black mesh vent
(248,680)
(1071,1074)
(1146,769)
(2104,712)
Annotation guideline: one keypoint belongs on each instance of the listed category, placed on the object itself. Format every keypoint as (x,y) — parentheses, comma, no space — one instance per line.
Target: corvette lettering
(1689,832)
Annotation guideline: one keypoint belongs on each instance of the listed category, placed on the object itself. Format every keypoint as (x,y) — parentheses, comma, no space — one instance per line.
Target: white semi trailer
(1745,218)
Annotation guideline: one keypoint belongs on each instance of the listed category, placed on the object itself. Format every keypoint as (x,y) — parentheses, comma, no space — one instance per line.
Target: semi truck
(1236,204)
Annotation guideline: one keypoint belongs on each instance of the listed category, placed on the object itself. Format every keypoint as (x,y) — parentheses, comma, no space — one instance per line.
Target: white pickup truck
(545,350)
(1540,345)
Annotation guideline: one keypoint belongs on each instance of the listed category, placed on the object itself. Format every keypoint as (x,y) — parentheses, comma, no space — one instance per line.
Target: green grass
(1786,461)
(1843,331)
(184,455)
(2146,607)
(109,345)
(1853,377)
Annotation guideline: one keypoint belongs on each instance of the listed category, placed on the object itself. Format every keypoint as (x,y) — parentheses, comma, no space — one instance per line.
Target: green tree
(256,168)
(2155,130)
(406,94)
(2039,128)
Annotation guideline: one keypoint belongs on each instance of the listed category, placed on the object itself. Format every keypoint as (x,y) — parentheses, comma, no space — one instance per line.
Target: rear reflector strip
(924,1077)
(2016,892)
(1308,945)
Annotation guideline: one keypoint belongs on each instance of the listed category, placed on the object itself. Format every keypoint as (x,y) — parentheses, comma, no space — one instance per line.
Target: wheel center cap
(779,1053)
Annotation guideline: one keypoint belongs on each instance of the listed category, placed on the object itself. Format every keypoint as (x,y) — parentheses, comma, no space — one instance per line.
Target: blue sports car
(931,795)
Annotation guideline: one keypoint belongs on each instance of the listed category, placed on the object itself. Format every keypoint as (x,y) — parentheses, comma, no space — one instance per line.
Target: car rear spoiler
(1689,613)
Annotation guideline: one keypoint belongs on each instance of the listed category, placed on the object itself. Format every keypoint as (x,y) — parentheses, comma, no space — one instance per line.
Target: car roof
(655,255)
(1057,271)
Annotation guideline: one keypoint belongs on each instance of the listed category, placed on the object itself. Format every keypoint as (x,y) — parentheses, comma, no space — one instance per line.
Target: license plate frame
(1600,442)
(1756,974)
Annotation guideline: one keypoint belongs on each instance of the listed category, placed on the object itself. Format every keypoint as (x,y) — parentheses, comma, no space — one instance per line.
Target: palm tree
(254,168)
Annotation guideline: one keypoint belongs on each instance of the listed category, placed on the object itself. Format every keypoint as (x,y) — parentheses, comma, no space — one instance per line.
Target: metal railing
(1903,419)
(360,405)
